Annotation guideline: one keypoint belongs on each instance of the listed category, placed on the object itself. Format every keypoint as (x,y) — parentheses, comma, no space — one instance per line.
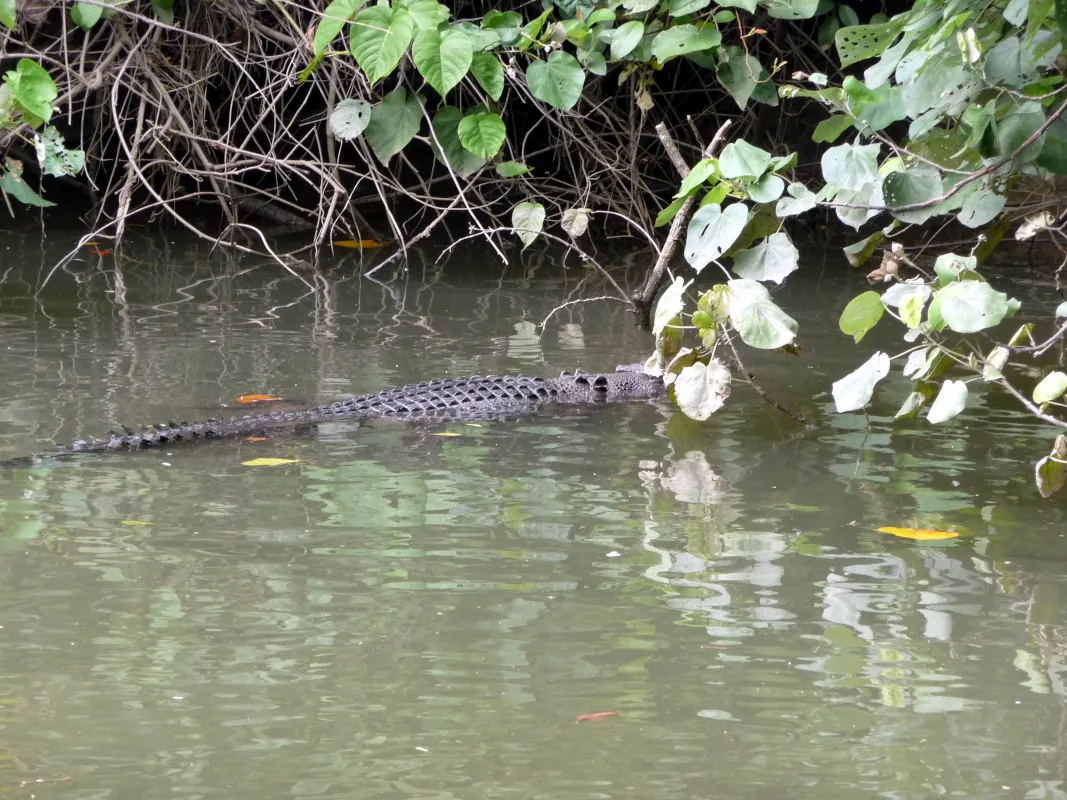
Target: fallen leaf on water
(256,439)
(920,534)
(599,715)
(136,522)
(446,433)
(92,244)
(249,399)
(270,462)
(102,252)
(360,244)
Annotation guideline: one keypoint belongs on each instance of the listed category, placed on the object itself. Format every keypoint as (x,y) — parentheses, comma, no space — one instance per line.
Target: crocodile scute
(450,399)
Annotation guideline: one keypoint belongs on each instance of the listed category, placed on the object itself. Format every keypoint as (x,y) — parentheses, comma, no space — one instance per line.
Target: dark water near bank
(424,612)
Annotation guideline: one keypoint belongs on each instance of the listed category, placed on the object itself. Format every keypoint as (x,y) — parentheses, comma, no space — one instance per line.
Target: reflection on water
(423,612)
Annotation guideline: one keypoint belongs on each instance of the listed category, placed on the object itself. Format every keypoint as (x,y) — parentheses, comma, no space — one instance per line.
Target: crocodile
(451,399)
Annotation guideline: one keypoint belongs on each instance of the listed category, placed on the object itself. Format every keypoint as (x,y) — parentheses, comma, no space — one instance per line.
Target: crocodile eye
(581,380)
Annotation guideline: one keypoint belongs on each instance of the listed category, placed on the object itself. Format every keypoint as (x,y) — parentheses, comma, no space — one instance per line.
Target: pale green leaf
(758,320)
(766,190)
(446,130)
(851,166)
(349,119)
(486,69)
(742,160)
(528,219)
(626,38)
(702,390)
(1050,388)
(334,18)
(799,200)
(970,306)
(703,170)
(670,304)
(950,401)
(511,169)
(981,207)
(678,40)
(558,81)
(773,259)
(712,231)
(854,391)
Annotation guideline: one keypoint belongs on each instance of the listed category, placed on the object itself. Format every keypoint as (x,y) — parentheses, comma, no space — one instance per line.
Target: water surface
(425,611)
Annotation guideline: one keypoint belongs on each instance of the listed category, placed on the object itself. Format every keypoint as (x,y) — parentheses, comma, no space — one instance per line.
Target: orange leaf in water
(599,715)
(92,244)
(360,244)
(919,534)
(256,439)
(250,399)
(103,252)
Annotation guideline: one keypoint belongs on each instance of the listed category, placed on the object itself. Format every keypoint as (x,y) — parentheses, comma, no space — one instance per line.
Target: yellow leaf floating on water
(270,462)
(136,522)
(446,433)
(251,399)
(919,534)
(360,244)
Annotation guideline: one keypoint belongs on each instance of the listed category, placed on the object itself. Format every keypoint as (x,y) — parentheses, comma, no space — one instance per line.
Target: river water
(425,612)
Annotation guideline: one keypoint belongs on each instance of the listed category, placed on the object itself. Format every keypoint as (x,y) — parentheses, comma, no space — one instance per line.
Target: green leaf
(860,42)
(703,170)
(86,15)
(766,190)
(7,14)
(735,72)
(949,402)
(1010,64)
(393,123)
(1016,127)
(1050,473)
(442,57)
(446,129)
(854,391)
(830,129)
(33,88)
(679,8)
(800,199)
(670,212)
(970,306)
(21,191)
(702,390)
(791,9)
(164,10)
(511,169)
(858,252)
(948,267)
(916,185)
(593,61)
(626,38)
(756,318)
(482,133)
(747,5)
(741,160)
(774,259)
(712,231)
(981,207)
(678,40)
(851,166)
(861,314)
(53,156)
(334,18)
(530,31)
(486,69)
(349,119)
(528,219)
(911,309)
(558,81)
(669,305)
(506,25)
(379,38)
(1016,11)
(1051,387)
(428,14)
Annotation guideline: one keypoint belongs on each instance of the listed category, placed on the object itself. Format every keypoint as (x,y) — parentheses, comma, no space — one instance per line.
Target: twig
(561,306)
(751,380)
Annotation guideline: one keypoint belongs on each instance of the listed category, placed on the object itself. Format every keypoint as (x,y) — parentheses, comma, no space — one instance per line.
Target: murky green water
(424,612)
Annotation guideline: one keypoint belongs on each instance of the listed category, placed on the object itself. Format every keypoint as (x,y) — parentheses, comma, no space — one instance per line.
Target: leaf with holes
(678,40)
(528,219)
(854,391)
(334,18)
(442,57)
(981,207)
(393,123)
(486,69)
(917,185)
(54,157)
(773,259)
(758,320)
(702,390)
(791,9)
(970,306)
(482,133)
(349,119)
(712,231)
(860,42)
(558,81)
(15,186)
(379,38)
